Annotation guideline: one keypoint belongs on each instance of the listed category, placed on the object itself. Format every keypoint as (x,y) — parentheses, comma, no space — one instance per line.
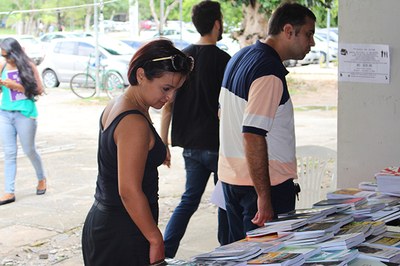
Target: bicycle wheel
(83,85)
(114,84)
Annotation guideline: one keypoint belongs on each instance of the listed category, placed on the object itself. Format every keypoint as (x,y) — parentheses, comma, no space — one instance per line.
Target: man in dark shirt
(195,123)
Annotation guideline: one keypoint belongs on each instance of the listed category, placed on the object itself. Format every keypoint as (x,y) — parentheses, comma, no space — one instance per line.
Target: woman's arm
(132,155)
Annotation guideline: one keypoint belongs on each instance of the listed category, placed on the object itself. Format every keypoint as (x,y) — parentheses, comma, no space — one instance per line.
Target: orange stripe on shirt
(266,87)
(235,171)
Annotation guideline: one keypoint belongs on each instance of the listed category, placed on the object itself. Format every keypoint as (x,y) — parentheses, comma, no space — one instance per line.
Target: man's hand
(265,212)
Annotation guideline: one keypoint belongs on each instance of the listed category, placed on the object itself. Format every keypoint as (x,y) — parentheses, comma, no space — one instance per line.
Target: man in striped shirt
(257,162)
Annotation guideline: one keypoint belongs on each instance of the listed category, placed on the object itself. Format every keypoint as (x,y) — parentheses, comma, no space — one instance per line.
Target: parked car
(135,44)
(48,37)
(333,34)
(32,47)
(326,47)
(313,57)
(68,56)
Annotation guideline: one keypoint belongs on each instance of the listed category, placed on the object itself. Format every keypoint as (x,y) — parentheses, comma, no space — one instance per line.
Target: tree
(257,12)
(170,5)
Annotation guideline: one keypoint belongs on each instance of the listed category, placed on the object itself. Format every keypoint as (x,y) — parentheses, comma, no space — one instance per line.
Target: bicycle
(83,85)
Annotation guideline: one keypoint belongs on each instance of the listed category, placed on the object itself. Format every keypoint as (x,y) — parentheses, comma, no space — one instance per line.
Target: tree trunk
(254,26)
(88,17)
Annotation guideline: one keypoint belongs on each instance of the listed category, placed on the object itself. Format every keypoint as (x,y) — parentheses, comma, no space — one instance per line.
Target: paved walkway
(46,230)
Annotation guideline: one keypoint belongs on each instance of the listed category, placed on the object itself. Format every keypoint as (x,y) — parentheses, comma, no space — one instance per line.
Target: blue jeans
(13,123)
(241,205)
(199,165)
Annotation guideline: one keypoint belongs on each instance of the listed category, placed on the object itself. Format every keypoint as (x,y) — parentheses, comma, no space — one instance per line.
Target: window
(85,49)
(65,48)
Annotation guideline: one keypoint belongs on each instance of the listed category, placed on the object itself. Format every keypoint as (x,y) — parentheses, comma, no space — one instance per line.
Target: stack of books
(368,185)
(312,212)
(352,202)
(356,227)
(386,214)
(278,259)
(286,224)
(309,239)
(235,254)
(247,245)
(340,242)
(307,251)
(388,180)
(340,218)
(385,254)
(325,227)
(335,257)
(387,239)
(386,199)
(274,237)
(368,228)
(348,193)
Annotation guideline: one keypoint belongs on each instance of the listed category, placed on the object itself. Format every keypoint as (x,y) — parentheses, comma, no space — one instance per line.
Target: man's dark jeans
(199,165)
(241,205)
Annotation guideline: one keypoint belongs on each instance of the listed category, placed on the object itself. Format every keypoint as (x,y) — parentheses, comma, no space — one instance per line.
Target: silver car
(68,56)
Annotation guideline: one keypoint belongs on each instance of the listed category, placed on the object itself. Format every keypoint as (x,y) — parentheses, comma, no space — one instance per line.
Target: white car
(68,56)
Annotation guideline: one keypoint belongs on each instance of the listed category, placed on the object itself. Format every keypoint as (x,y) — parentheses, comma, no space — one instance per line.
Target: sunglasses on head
(179,62)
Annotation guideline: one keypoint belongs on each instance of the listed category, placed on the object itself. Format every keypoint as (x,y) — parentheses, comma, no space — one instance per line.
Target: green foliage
(319,7)
(74,19)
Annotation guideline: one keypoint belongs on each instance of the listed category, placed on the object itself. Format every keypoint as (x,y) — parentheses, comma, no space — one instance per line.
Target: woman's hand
(157,254)
(11,84)
(167,160)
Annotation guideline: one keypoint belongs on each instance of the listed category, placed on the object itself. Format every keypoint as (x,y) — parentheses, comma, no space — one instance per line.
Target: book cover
(364,227)
(15,95)
(370,262)
(387,239)
(281,236)
(307,251)
(379,253)
(323,226)
(262,231)
(334,256)
(309,240)
(277,258)
(339,202)
(244,244)
(230,254)
(347,193)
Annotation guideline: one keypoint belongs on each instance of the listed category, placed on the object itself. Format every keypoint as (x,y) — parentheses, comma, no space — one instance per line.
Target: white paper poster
(364,63)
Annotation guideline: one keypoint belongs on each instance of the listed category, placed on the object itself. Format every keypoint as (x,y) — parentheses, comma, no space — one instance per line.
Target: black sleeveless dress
(109,236)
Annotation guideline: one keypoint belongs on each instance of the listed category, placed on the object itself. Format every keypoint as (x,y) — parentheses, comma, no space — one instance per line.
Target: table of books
(350,227)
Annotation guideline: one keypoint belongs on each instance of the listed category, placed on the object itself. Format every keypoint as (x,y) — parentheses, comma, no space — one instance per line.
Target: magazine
(15,95)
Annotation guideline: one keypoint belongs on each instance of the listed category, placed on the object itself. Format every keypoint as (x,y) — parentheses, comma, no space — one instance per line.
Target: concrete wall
(368,113)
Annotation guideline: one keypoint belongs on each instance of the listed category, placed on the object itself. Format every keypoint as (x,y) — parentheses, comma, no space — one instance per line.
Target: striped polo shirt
(255,99)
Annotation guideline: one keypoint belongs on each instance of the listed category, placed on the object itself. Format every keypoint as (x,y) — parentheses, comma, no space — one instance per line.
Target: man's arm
(256,151)
(166,114)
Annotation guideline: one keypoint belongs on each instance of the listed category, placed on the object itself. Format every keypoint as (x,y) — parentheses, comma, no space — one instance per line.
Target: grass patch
(312,108)
(298,86)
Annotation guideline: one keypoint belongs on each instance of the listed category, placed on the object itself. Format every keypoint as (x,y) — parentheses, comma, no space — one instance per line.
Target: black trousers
(110,237)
